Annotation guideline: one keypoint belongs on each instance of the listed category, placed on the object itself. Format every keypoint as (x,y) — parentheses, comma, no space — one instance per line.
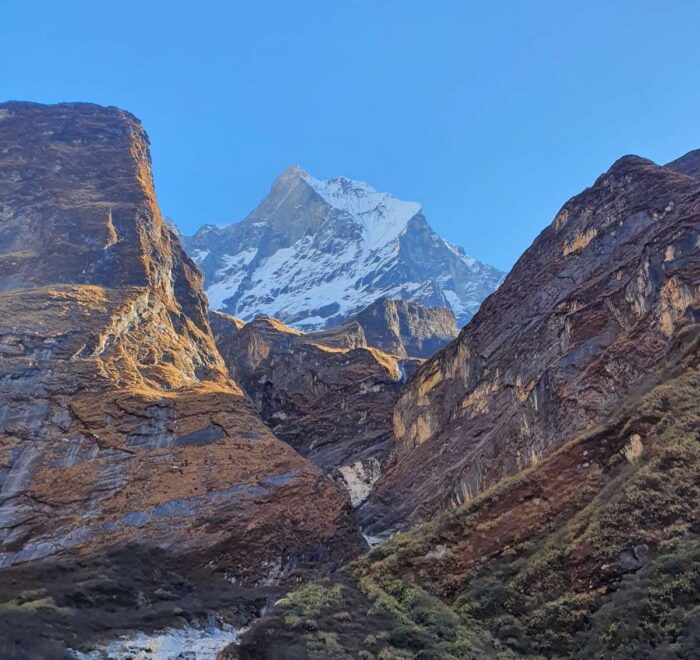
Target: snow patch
(455,303)
(372,540)
(192,642)
(243,258)
(470,261)
(198,256)
(359,479)
(381,215)
(234,268)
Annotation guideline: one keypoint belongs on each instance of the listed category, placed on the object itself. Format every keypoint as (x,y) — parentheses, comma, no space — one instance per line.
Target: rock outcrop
(689,164)
(407,329)
(591,553)
(313,253)
(585,314)
(330,393)
(118,420)
(327,394)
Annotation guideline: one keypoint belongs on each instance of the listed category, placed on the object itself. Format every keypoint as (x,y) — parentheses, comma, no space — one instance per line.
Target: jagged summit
(314,252)
(382,216)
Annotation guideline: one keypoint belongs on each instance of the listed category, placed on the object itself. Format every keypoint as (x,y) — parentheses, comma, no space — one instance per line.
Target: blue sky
(489,114)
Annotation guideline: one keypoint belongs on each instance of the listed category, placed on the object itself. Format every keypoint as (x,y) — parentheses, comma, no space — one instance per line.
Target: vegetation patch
(598,555)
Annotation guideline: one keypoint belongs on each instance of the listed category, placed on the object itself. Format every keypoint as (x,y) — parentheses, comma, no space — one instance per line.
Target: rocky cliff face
(118,420)
(315,252)
(591,553)
(407,329)
(585,314)
(327,394)
(689,164)
(330,393)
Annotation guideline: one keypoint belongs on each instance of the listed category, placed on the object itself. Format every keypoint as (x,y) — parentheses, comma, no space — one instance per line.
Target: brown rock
(560,561)
(118,420)
(326,393)
(585,314)
(405,328)
(689,164)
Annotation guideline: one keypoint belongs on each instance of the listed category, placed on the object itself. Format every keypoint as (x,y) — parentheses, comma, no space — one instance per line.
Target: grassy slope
(594,552)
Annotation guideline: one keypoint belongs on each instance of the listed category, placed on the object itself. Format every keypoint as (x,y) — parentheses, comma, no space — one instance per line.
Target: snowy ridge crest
(382,216)
(315,252)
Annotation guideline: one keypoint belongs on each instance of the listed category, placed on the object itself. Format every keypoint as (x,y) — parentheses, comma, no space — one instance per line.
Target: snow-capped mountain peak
(382,216)
(315,252)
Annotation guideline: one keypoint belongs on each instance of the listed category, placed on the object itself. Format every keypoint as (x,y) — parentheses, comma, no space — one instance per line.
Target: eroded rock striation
(586,313)
(405,328)
(118,420)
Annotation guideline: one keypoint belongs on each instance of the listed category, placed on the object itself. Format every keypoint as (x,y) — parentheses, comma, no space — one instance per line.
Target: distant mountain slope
(405,328)
(315,252)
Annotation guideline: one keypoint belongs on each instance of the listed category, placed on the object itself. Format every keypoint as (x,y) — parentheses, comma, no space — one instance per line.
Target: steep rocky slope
(328,395)
(406,329)
(118,420)
(689,164)
(315,252)
(584,315)
(594,552)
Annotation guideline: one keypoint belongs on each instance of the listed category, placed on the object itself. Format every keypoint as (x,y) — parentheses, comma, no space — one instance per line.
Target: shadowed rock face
(587,312)
(688,164)
(326,393)
(406,329)
(118,420)
(591,553)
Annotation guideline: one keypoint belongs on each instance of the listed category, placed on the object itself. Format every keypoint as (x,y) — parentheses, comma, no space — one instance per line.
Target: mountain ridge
(119,423)
(584,313)
(315,252)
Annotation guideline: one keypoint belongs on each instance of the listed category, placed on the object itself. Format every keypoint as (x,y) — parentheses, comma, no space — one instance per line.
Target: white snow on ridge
(382,216)
(470,261)
(198,256)
(455,303)
(243,258)
(231,276)
(357,246)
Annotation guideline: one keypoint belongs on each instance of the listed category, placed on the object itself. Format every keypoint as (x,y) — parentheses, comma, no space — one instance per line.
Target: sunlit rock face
(118,419)
(330,393)
(587,554)
(587,313)
(313,253)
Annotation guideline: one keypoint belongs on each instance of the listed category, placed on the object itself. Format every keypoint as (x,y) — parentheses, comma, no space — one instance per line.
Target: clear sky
(491,114)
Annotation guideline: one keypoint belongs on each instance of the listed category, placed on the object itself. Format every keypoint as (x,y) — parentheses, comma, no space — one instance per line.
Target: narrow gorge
(412,457)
